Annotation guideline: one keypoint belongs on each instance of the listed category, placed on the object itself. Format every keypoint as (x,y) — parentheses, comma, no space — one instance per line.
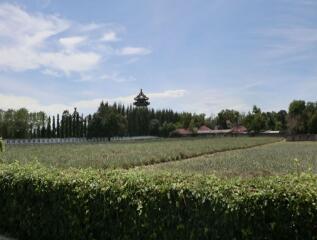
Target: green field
(222,156)
(128,154)
(205,188)
(272,159)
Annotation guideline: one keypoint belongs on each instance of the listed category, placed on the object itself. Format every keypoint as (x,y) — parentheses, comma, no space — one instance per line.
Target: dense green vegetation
(273,159)
(40,203)
(118,120)
(302,117)
(128,154)
(109,120)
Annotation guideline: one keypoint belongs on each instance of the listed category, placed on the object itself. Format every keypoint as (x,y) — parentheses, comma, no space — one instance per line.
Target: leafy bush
(43,203)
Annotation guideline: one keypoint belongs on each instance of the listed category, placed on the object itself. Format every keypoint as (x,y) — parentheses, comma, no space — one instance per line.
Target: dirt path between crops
(211,153)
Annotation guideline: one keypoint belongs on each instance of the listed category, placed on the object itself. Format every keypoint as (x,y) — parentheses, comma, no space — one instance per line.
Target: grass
(125,155)
(274,159)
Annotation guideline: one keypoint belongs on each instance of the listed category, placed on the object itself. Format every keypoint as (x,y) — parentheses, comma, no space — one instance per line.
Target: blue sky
(196,55)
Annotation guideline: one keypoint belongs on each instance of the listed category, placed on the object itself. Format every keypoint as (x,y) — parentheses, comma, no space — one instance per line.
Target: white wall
(71,140)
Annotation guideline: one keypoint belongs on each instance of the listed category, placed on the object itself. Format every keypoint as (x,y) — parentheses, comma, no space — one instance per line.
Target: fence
(72,140)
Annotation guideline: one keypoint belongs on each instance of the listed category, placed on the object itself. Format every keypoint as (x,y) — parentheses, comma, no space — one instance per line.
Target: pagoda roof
(141,96)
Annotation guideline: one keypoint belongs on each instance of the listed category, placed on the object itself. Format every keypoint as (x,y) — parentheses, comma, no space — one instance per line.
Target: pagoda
(141,100)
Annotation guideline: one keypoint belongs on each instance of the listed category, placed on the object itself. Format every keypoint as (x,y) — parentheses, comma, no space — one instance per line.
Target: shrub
(42,203)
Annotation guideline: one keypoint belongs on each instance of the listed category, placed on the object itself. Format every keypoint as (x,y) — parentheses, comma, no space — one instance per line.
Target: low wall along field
(73,140)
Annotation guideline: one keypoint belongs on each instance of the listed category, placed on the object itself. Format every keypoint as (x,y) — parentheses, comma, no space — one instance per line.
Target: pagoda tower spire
(141,100)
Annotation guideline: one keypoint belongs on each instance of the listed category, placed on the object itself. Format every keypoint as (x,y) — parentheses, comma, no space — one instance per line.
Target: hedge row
(42,203)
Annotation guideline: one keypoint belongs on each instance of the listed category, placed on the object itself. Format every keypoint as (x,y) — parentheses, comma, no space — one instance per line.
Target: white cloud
(86,106)
(71,62)
(29,30)
(50,43)
(71,42)
(27,40)
(169,94)
(90,27)
(51,73)
(11,101)
(129,51)
(116,77)
(204,102)
(110,37)
(19,59)
(111,77)
(212,101)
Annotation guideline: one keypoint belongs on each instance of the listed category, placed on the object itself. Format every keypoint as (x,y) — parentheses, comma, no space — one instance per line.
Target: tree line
(118,120)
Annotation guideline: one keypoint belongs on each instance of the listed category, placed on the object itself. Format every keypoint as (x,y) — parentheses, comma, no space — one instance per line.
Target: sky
(195,55)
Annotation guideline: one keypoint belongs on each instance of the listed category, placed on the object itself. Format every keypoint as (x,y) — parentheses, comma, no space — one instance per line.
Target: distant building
(141,100)
(182,132)
(204,130)
(221,131)
(239,129)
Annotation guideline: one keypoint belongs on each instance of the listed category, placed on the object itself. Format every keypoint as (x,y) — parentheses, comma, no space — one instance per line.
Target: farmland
(272,159)
(128,154)
(200,187)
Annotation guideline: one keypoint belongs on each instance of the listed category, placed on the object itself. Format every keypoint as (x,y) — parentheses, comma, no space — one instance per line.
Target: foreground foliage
(42,203)
(125,155)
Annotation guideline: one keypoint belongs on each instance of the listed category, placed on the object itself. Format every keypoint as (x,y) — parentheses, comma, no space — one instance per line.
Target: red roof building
(183,131)
(204,130)
(239,129)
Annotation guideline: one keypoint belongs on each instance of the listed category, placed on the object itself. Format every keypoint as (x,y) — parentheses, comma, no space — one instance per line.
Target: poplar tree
(48,128)
(58,128)
(53,128)
(85,128)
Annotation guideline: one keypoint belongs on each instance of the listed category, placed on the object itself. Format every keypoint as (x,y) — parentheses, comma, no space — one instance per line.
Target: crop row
(126,155)
(272,159)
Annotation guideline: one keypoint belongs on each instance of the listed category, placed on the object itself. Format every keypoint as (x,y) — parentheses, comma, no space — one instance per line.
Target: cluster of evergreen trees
(108,121)
(24,124)
(119,120)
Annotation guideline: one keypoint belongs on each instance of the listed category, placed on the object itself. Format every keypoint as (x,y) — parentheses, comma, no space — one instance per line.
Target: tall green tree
(312,124)
(21,122)
(255,120)
(107,122)
(228,118)
(166,129)
(58,128)
(48,130)
(154,127)
(53,128)
(297,118)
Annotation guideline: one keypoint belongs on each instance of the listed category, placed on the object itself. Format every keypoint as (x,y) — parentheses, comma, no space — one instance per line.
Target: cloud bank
(30,41)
